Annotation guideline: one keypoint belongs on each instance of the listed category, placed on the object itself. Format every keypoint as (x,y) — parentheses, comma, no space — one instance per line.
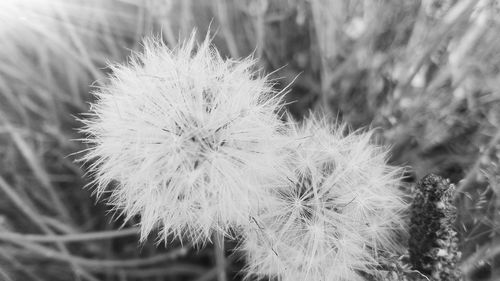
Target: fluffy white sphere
(185,139)
(332,218)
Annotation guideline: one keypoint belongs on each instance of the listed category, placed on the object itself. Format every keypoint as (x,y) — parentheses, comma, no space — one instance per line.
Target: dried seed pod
(433,244)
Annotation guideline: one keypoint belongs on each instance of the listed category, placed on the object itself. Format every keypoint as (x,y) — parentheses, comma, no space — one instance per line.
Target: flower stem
(220,258)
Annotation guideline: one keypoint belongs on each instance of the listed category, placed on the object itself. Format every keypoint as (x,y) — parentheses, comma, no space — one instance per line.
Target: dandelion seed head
(189,140)
(332,218)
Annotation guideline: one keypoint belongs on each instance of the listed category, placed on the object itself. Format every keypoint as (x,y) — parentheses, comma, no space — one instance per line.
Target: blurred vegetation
(426,73)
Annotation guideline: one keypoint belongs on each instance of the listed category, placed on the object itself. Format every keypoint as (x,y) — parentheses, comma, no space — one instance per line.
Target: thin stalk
(77,237)
(220,258)
(221,9)
(94,264)
(32,161)
(35,218)
(467,182)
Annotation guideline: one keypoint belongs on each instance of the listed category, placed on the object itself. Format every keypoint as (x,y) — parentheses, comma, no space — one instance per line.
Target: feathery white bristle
(190,140)
(331,219)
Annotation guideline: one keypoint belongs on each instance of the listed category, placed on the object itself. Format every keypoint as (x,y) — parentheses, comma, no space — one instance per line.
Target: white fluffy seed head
(332,218)
(190,141)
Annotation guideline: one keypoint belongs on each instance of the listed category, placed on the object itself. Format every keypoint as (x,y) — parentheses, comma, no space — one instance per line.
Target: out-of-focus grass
(425,72)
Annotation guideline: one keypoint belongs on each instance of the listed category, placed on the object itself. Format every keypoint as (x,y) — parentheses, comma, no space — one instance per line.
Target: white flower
(186,140)
(331,219)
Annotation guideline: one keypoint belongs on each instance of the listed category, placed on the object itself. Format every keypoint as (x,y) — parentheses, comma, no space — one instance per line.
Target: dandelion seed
(189,140)
(330,220)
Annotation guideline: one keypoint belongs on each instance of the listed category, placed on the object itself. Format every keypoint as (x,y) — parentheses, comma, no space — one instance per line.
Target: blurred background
(424,73)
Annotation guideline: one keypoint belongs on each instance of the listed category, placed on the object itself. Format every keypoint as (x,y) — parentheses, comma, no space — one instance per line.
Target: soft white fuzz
(332,218)
(186,140)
